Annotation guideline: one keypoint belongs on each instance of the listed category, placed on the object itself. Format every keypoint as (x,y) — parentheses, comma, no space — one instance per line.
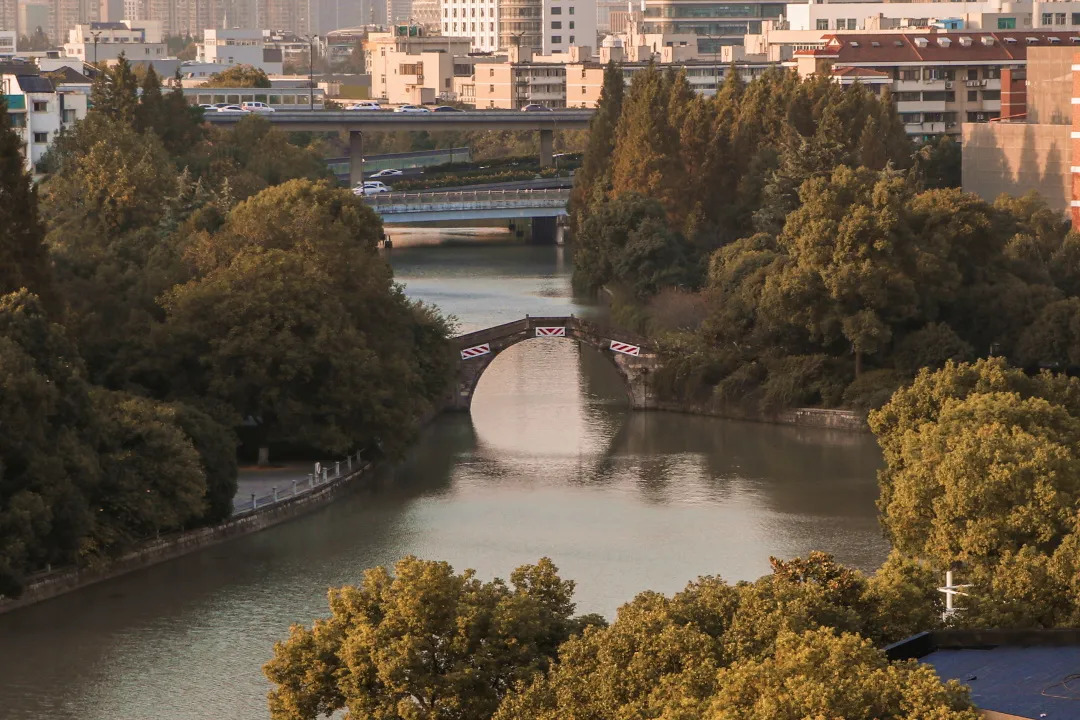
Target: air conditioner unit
(948,85)
(974,83)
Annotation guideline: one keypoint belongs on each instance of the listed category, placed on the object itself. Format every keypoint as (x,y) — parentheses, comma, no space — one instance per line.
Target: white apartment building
(101,41)
(568,23)
(38,108)
(416,69)
(987,15)
(239,46)
(7,42)
(474,19)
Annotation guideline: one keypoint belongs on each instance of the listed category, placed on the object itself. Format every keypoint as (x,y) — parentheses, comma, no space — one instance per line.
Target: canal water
(550,462)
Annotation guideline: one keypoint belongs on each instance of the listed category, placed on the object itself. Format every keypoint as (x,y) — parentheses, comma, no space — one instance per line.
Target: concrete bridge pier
(545,231)
(547,148)
(356,157)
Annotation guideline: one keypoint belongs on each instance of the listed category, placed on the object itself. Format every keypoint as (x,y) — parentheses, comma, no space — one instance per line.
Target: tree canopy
(238,76)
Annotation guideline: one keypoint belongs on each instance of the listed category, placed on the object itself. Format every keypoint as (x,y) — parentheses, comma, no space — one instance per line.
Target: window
(852,24)
(1048,18)
(973,74)
(973,95)
(18,120)
(571,9)
(556,39)
(556,11)
(571,39)
(41,137)
(909,118)
(909,74)
(491,72)
(939,95)
(822,24)
(556,25)
(908,96)
(991,94)
(41,106)
(491,88)
(1076,18)
(571,24)
(411,69)
(69,116)
(1059,18)
(1006,24)
(993,73)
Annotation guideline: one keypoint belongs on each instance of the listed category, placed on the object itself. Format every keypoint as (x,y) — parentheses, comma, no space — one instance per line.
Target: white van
(257,107)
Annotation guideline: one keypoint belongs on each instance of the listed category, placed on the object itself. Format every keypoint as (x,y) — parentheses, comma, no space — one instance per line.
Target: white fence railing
(321,475)
(389,203)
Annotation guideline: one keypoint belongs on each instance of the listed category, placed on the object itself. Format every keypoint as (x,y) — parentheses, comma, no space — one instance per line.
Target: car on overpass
(447,108)
(411,109)
(533,107)
(232,109)
(256,107)
(388,172)
(370,187)
(365,105)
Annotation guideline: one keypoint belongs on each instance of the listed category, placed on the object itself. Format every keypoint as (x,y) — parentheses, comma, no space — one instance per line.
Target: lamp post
(95,36)
(311,71)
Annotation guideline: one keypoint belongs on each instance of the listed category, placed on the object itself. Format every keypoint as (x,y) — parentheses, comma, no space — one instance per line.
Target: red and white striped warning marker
(625,348)
(550,332)
(475,351)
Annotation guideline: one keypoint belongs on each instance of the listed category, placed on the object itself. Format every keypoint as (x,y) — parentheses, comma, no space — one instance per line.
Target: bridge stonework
(636,371)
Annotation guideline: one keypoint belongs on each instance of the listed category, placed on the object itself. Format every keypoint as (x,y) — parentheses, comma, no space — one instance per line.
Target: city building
(33,15)
(425,13)
(1038,147)
(604,8)
(568,23)
(938,80)
(711,25)
(39,107)
(977,15)
(224,48)
(9,16)
(416,68)
(98,41)
(8,40)
(475,19)
(398,11)
(521,25)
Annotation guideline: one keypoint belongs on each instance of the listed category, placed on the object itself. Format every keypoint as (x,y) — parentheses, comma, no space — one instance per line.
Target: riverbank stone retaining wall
(150,553)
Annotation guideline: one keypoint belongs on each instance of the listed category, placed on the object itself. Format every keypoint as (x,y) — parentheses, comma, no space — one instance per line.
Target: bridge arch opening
(632,362)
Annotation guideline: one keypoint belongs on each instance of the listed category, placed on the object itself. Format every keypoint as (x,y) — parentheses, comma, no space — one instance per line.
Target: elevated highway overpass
(357,122)
(543,206)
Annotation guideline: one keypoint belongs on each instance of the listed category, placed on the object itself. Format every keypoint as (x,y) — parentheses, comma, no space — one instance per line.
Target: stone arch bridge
(634,358)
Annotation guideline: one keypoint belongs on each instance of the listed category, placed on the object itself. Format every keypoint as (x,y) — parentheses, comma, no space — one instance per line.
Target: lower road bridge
(634,358)
(542,206)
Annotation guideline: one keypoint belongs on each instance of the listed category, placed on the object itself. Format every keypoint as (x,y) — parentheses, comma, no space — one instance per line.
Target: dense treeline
(167,286)
(789,246)
(799,643)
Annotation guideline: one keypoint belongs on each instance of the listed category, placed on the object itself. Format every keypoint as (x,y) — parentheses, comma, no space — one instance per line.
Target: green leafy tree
(982,476)
(294,322)
(47,447)
(24,261)
(423,643)
(115,93)
(821,674)
(238,76)
(152,478)
(594,177)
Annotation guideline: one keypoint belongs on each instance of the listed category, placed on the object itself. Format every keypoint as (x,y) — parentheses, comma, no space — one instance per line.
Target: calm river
(550,462)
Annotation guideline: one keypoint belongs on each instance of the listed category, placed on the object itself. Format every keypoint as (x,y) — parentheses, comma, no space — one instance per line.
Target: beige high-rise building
(521,24)
(9,16)
(66,14)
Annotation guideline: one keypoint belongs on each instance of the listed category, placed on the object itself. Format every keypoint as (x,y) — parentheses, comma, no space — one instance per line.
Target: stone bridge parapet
(633,357)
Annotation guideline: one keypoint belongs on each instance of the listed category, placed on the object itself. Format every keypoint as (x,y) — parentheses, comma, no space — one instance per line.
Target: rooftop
(959,46)
(1023,674)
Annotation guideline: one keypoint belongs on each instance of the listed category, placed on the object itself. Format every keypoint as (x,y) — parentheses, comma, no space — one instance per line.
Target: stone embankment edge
(844,420)
(173,546)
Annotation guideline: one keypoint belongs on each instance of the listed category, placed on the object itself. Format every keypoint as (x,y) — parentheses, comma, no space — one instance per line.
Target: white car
(235,109)
(365,105)
(386,173)
(411,109)
(370,188)
(205,106)
(257,107)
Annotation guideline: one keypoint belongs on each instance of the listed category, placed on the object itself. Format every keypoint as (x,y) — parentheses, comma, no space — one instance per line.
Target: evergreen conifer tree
(595,169)
(115,92)
(24,261)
